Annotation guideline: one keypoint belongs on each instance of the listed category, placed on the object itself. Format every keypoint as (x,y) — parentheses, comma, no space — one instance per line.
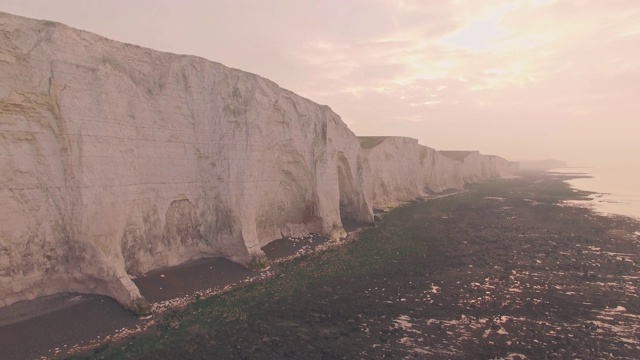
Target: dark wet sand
(286,247)
(185,279)
(88,317)
(35,329)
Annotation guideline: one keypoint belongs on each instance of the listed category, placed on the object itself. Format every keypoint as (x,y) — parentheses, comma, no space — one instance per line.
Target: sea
(616,189)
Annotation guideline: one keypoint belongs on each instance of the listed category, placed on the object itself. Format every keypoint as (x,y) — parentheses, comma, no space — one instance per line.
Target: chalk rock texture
(477,167)
(116,160)
(440,172)
(399,169)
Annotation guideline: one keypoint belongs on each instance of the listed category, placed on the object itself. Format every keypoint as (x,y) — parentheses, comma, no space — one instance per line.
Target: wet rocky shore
(504,271)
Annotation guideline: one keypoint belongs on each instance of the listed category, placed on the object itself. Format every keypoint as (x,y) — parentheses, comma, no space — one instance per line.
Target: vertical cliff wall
(116,159)
(392,172)
(399,169)
(440,172)
(477,167)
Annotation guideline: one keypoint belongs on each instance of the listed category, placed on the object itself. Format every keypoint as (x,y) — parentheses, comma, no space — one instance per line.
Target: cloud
(523,78)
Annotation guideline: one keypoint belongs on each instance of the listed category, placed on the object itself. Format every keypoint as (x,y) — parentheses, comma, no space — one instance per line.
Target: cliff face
(399,169)
(440,172)
(477,167)
(392,174)
(116,160)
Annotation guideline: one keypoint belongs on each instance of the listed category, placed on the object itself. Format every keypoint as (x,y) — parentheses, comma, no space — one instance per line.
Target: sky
(524,79)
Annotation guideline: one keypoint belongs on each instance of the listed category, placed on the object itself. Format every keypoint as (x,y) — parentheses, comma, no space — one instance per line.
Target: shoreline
(275,273)
(612,202)
(501,271)
(166,289)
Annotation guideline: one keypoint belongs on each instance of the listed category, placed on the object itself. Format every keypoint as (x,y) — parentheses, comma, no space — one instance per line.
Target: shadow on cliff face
(182,224)
(348,199)
(353,206)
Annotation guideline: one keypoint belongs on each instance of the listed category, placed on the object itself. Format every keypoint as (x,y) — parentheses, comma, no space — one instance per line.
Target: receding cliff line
(399,169)
(117,160)
(478,167)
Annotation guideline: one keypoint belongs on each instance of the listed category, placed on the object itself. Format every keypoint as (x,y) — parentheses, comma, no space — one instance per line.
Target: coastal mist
(616,189)
(272,179)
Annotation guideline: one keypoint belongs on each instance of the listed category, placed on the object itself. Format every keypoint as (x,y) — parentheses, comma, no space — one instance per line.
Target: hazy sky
(522,79)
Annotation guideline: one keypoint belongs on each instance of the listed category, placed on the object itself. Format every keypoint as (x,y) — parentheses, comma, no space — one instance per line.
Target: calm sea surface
(618,189)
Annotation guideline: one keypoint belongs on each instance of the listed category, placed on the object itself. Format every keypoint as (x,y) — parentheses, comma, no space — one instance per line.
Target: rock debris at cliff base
(118,160)
(502,271)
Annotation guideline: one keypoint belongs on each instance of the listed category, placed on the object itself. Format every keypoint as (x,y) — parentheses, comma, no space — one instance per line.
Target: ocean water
(617,189)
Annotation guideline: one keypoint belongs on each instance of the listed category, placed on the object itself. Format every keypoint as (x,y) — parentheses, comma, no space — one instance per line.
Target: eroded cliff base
(119,160)
(501,271)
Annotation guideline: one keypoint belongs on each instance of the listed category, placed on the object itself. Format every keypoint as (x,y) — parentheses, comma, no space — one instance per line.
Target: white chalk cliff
(477,167)
(399,169)
(117,159)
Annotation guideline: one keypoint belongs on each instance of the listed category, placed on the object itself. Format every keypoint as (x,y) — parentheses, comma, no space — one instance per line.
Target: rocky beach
(60,325)
(504,271)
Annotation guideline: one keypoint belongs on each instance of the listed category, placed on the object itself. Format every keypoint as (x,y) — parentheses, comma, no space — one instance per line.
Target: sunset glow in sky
(525,79)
